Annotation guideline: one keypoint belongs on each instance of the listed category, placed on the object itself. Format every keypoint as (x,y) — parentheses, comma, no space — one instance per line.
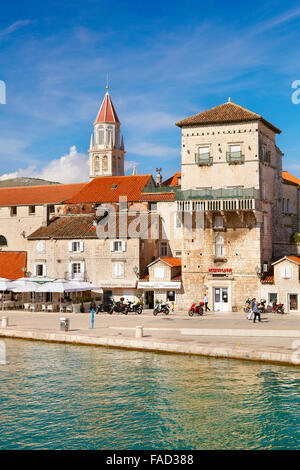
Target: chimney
(158,176)
(45,221)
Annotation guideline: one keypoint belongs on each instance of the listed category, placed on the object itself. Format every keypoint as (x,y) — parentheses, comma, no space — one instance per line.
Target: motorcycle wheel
(155,312)
(246,309)
(139,310)
(110,312)
(200,312)
(167,311)
(191,313)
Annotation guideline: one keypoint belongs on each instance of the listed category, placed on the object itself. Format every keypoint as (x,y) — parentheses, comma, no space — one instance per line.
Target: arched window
(104,162)
(219,246)
(101,135)
(3,241)
(97,164)
(109,134)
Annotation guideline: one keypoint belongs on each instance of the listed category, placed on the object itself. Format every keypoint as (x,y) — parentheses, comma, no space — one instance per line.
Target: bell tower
(106,147)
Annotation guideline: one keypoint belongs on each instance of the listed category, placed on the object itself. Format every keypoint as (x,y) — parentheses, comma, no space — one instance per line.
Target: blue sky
(166,60)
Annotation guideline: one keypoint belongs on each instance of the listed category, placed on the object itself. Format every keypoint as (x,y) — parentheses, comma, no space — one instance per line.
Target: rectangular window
(13,210)
(204,150)
(286,272)
(218,222)
(31,210)
(219,250)
(235,148)
(288,207)
(76,246)
(51,209)
(171,296)
(118,269)
(164,249)
(178,254)
(272,297)
(159,273)
(76,270)
(40,269)
(178,219)
(153,206)
(117,245)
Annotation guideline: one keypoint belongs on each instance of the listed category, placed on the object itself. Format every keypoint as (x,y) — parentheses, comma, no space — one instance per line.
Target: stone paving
(276,338)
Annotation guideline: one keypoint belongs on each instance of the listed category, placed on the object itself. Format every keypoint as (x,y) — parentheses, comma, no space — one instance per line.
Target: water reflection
(76,397)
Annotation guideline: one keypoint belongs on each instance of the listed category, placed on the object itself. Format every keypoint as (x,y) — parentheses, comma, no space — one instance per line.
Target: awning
(118,284)
(159,285)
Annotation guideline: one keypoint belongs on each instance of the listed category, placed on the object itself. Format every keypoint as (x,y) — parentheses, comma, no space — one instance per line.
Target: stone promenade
(275,339)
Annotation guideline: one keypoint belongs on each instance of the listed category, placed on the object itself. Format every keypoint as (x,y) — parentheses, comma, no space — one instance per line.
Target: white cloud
(14,26)
(70,168)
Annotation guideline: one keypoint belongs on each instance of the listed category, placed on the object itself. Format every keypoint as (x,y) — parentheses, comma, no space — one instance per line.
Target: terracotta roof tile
(268,277)
(156,197)
(173,180)
(31,195)
(11,264)
(171,261)
(294,258)
(111,188)
(66,227)
(225,113)
(288,178)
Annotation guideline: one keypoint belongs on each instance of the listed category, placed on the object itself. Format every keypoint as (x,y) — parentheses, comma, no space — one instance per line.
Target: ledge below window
(219,259)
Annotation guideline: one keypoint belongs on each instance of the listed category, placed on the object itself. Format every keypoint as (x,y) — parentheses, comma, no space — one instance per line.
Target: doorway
(293,302)
(149,298)
(221,299)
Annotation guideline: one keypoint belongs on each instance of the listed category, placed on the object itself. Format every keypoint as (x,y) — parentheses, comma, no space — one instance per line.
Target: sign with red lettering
(220,270)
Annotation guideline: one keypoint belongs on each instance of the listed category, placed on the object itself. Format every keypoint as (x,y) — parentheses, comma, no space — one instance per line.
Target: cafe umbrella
(24,284)
(5,284)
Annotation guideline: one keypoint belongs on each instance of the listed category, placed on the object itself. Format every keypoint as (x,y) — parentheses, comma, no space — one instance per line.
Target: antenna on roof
(107,87)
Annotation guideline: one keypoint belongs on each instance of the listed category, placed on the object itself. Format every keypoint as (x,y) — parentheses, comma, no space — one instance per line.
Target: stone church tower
(106,148)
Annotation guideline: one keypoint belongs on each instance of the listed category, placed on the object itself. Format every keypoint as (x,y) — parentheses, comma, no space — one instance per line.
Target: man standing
(256,312)
(206,303)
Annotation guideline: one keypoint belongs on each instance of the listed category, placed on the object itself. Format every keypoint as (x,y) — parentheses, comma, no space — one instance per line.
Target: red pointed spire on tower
(107,112)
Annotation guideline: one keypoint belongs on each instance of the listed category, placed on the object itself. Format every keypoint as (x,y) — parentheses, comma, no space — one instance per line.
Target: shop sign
(159,285)
(220,270)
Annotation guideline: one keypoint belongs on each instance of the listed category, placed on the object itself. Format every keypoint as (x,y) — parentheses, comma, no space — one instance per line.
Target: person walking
(206,303)
(253,301)
(92,317)
(256,312)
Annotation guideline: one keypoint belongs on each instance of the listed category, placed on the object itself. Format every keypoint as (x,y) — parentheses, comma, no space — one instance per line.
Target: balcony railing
(203,159)
(234,157)
(222,193)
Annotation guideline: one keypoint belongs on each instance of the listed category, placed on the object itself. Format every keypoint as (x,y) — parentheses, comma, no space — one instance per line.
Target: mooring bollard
(139,332)
(4,323)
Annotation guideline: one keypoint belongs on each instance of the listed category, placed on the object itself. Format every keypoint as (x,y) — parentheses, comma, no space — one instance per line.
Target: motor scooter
(196,309)
(277,308)
(161,308)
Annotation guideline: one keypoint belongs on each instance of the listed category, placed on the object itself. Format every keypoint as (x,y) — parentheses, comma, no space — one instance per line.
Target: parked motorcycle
(119,306)
(262,306)
(132,307)
(196,309)
(247,307)
(161,308)
(277,308)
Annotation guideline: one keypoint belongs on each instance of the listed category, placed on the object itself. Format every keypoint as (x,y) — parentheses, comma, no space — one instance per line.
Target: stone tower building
(106,147)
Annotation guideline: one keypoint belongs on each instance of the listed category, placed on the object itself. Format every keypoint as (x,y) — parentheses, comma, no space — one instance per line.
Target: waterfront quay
(226,335)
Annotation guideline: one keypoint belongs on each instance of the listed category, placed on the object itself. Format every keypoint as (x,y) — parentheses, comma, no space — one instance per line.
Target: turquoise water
(76,397)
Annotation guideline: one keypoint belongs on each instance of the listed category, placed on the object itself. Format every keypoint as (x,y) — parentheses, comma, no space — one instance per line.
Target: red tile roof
(111,188)
(66,227)
(288,178)
(11,264)
(171,261)
(173,180)
(225,113)
(156,197)
(107,112)
(294,258)
(268,277)
(32,195)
